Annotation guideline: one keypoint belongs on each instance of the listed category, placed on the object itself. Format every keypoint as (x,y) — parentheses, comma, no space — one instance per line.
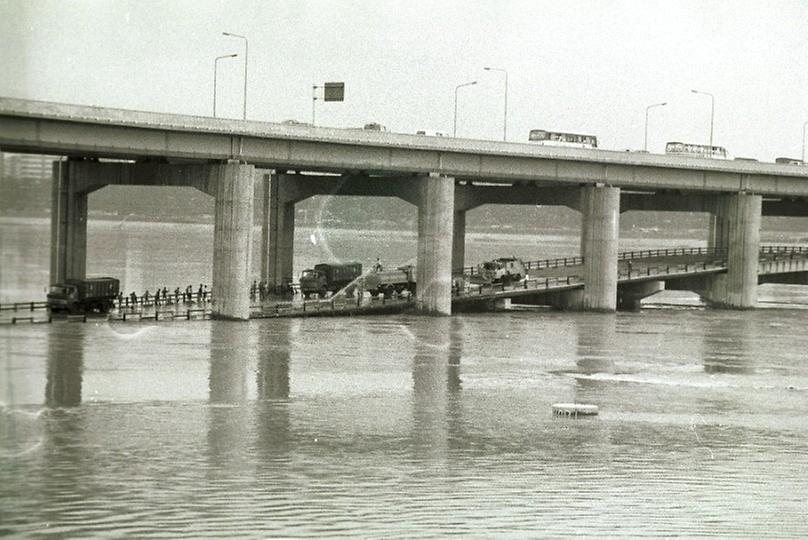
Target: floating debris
(574,409)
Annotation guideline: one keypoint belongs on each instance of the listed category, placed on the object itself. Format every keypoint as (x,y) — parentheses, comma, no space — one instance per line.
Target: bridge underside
(442,204)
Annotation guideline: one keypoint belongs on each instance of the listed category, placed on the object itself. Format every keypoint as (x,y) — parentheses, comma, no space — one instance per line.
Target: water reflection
(64,457)
(230,351)
(272,382)
(65,366)
(274,346)
(727,343)
(437,416)
(597,345)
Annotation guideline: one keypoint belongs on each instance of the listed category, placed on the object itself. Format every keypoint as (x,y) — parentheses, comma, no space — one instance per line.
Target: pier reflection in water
(436,400)
(424,426)
(65,365)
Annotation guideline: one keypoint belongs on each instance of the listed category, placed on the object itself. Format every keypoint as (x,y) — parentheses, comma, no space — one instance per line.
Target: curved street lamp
(712,114)
(246,52)
(459,86)
(505,121)
(215,71)
(648,108)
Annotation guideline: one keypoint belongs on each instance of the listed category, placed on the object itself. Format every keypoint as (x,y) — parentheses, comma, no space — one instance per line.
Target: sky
(577,66)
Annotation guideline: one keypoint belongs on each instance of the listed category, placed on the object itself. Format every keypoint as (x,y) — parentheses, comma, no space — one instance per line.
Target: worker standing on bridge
(253,288)
(205,293)
(262,290)
(177,295)
(189,293)
(165,295)
(133,299)
(378,266)
(146,297)
(157,297)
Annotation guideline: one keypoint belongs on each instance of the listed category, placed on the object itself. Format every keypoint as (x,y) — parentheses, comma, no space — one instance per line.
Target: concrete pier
(435,233)
(736,228)
(459,241)
(600,232)
(68,224)
(232,238)
(278,232)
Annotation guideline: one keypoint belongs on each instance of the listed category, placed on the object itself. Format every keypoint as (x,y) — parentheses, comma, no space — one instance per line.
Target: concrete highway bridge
(443,177)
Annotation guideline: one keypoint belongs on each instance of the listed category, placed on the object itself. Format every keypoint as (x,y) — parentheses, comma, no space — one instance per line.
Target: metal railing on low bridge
(714,260)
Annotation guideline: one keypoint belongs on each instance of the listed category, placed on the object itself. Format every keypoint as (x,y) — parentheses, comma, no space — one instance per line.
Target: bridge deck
(82,131)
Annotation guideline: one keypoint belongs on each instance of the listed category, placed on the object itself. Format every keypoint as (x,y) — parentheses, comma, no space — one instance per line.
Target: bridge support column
(68,224)
(717,232)
(435,233)
(600,232)
(232,185)
(737,230)
(278,232)
(459,242)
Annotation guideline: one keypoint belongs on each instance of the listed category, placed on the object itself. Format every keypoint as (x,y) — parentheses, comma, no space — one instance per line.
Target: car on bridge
(502,270)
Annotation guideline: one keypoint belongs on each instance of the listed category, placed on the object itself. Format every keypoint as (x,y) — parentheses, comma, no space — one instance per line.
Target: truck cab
(312,281)
(328,277)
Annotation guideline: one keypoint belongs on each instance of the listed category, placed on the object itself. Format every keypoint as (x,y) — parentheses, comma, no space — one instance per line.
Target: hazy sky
(587,66)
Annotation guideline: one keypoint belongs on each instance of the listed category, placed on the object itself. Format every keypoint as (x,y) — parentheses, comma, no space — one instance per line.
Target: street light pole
(712,115)
(459,86)
(215,72)
(648,108)
(805,125)
(246,53)
(505,120)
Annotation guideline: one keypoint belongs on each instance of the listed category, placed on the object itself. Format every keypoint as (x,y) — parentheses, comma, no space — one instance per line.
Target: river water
(402,426)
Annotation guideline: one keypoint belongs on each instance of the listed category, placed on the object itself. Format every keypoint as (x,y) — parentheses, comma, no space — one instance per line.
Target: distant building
(29,167)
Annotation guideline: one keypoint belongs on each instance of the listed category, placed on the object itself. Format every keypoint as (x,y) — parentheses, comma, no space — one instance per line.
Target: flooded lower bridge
(549,282)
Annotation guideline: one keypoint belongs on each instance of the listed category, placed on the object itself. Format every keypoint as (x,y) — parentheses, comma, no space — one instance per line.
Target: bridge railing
(525,284)
(644,254)
(776,250)
(23,306)
(330,305)
(669,252)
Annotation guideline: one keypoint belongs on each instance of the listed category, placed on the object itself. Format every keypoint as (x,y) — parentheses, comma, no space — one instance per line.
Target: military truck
(326,277)
(83,295)
(503,270)
(387,282)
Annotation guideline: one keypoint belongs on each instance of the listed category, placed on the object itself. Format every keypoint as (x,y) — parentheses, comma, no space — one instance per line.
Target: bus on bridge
(557,138)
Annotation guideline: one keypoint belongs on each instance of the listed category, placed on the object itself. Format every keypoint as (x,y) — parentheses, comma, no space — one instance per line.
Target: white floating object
(574,409)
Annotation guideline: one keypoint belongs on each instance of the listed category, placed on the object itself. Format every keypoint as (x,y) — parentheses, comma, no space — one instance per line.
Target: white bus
(789,161)
(556,138)
(696,150)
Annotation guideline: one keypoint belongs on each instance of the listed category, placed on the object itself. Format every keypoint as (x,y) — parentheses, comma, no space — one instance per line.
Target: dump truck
(501,270)
(83,295)
(328,277)
(387,282)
